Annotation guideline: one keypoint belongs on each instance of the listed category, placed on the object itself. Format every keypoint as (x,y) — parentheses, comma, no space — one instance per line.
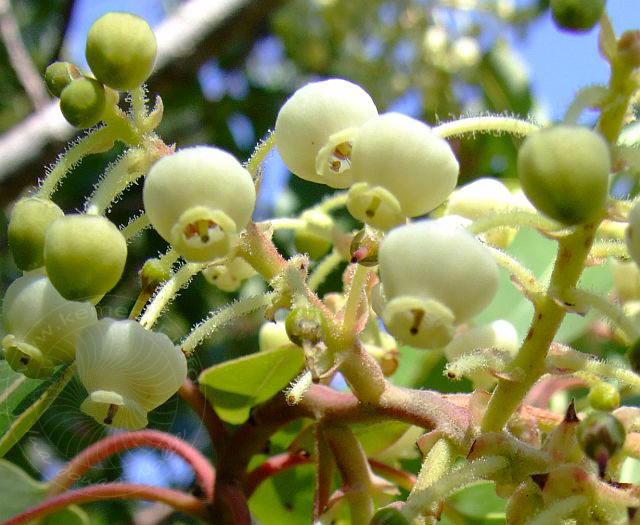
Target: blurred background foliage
(431,59)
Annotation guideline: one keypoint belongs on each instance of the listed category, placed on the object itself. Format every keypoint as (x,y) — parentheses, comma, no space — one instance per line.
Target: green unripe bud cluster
(84,256)
(83,102)
(121,50)
(564,172)
(577,15)
(28,225)
(59,75)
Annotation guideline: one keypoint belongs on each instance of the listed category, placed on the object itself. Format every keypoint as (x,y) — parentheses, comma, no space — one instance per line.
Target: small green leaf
(233,387)
(20,492)
(24,400)
(285,498)
(479,501)
(538,254)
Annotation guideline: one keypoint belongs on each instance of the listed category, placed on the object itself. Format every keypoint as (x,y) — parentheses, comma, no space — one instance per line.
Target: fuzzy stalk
(548,315)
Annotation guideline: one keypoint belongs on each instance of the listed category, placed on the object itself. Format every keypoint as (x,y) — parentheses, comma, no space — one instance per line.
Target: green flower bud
(84,256)
(364,248)
(30,219)
(59,75)
(403,156)
(601,435)
(315,237)
(199,199)
(604,396)
(577,15)
(434,276)
(481,198)
(83,102)
(305,325)
(41,325)
(152,274)
(564,172)
(388,516)
(229,275)
(315,126)
(121,50)
(127,371)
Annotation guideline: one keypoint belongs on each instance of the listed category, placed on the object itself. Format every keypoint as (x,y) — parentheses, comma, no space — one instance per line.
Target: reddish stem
(180,501)
(74,469)
(324,473)
(235,503)
(218,434)
(400,477)
(271,467)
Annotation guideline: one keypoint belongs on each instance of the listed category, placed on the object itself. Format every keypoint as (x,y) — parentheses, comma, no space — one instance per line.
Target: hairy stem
(168,292)
(486,124)
(548,315)
(221,317)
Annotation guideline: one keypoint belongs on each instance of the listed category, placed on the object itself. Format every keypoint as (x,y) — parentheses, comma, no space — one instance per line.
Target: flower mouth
(340,159)
(333,161)
(423,323)
(205,230)
(375,206)
(203,234)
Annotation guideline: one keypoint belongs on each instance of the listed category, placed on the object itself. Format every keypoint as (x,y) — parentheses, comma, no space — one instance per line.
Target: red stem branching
(180,501)
(74,469)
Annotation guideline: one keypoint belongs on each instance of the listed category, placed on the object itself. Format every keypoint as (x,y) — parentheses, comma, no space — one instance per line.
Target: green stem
(116,179)
(512,218)
(323,269)
(260,153)
(358,282)
(221,317)
(457,479)
(135,227)
(488,124)
(95,141)
(138,106)
(519,273)
(336,200)
(168,292)
(609,249)
(548,315)
(610,310)
(355,471)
